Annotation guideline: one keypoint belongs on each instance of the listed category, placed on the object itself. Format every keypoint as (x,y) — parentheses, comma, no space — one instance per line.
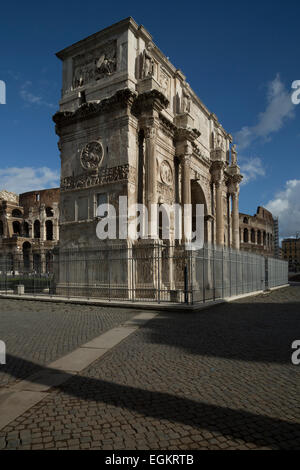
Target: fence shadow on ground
(252,332)
(235,424)
(259,332)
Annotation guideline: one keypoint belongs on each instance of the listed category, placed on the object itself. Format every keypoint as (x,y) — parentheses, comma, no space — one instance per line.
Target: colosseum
(257,232)
(29,230)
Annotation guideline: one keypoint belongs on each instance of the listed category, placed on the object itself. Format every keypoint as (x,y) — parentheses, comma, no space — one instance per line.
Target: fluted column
(219,214)
(217,171)
(186,193)
(186,180)
(235,220)
(151,177)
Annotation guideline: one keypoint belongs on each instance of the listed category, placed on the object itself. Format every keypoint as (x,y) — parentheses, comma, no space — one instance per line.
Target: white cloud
(251,168)
(21,180)
(286,205)
(278,110)
(31,98)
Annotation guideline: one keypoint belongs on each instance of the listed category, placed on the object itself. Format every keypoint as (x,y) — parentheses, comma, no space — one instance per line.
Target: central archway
(198,197)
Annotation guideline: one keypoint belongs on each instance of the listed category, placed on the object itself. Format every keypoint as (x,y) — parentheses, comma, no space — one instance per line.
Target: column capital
(184,149)
(233,188)
(217,172)
(149,125)
(149,132)
(186,134)
(233,183)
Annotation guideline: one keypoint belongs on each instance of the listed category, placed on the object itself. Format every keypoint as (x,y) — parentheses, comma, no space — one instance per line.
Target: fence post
(68,272)
(109,286)
(191,276)
(186,294)
(230,270)
(266,274)
(236,272)
(158,271)
(203,272)
(6,267)
(213,270)
(223,274)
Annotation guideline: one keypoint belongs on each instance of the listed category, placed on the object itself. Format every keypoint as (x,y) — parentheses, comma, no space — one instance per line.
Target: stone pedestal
(148,84)
(184,120)
(20,289)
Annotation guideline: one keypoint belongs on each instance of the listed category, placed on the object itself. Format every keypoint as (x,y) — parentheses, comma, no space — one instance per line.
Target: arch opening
(17,228)
(49,230)
(37,229)
(198,197)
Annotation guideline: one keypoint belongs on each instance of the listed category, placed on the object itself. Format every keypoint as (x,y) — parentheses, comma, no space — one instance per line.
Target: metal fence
(144,272)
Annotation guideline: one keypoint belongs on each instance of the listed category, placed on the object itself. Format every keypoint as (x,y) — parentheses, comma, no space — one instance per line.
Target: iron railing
(145,272)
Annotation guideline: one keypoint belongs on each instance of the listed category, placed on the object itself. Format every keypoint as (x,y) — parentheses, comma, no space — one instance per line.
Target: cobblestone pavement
(37,333)
(217,379)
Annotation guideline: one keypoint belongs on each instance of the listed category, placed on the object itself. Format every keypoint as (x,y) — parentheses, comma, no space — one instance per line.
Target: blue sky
(240,58)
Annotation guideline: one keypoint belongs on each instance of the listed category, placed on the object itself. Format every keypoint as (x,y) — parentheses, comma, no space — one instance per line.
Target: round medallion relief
(166,173)
(91,155)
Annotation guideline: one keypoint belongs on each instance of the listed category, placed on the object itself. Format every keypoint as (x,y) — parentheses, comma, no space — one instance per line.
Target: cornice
(148,101)
(100,35)
(121,99)
(185,133)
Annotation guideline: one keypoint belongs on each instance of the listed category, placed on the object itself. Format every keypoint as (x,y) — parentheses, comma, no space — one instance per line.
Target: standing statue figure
(233,155)
(186,102)
(219,141)
(148,65)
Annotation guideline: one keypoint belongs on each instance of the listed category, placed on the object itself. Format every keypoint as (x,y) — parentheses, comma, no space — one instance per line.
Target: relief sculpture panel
(95,64)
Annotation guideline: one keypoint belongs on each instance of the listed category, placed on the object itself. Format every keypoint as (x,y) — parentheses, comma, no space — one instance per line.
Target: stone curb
(167,307)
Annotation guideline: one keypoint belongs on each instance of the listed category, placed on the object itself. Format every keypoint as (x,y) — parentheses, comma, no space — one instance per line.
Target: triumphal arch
(130,125)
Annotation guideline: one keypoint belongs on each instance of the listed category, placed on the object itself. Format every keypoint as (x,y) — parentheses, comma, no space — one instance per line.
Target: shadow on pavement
(254,332)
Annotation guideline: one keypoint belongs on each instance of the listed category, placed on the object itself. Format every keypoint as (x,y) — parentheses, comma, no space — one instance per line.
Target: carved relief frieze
(95,64)
(164,81)
(166,192)
(104,176)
